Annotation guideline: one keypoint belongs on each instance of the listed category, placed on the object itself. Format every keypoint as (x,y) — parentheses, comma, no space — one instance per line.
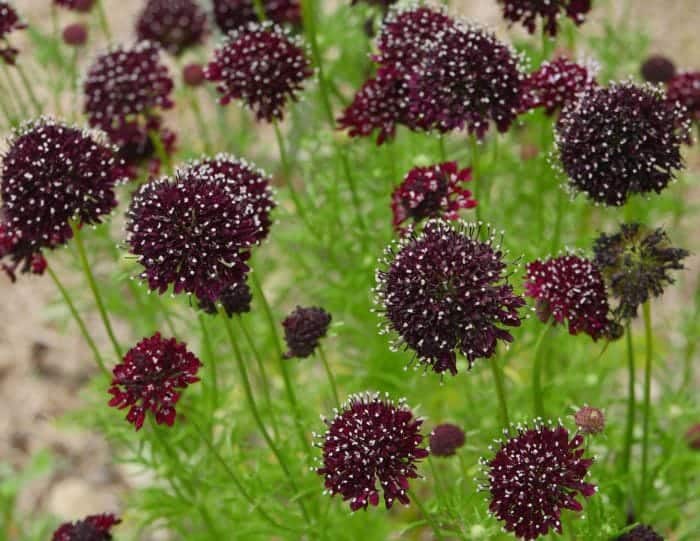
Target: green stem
(476,181)
(538,395)
(77,234)
(201,124)
(102,15)
(646,408)
(260,9)
(442,149)
(426,514)
(331,378)
(14,91)
(559,217)
(286,171)
(631,402)
(209,352)
(500,390)
(81,324)
(162,154)
(29,87)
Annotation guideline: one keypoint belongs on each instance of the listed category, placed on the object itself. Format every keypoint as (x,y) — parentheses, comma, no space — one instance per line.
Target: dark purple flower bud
(444,291)
(527,11)
(371,439)
(81,6)
(590,420)
(658,69)
(303,329)
(445,439)
(91,528)
(692,437)
(431,192)
(572,290)
(535,474)
(75,35)
(9,22)
(235,300)
(620,141)
(641,532)
(236,14)
(684,88)
(151,377)
(175,25)
(193,75)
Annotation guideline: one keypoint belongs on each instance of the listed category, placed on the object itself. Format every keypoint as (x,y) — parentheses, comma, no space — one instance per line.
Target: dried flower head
(684,88)
(535,474)
(620,141)
(557,84)
(235,14)
(91,528)
(692,437)
(658,69)
(589,420)
(641,532)
(151,377)
(527,12)
(637,263)
(444,291)
(263,66)
(19,253)
(175,25)
(371,439)
(569,288)
(303,329)
(235,300)
(431,192)
(445,439)
(75,35)
(82,6)
(9,22)
(193,75)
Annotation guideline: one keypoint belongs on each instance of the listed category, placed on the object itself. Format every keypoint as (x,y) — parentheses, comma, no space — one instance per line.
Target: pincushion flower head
(641,532)
(9,22)
(526,12)
(621,140)
(535,474)
(175,25)
(91,528)
(570,289)
(445,439)
(303,329)
(431,192)
(637,263)
(261,65)
(235,300)
(194,231)
(445,291)
(234,14)
(151,378)
(21,255)
(371,439)
(684,88)
(658,69)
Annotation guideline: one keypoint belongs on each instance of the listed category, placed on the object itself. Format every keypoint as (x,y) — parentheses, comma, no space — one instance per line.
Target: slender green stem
(442,149)
(260,9)
(286,171)
(500,391)
(77,234)
(646,408)
(631,402)
(476,181)
(558,219)
(538,395)
(104,23)
(428,517)
(81,324)
(14,91)
(209,352)
(201,124)
(162,154)
(29,88)
(331,378)
(7,113)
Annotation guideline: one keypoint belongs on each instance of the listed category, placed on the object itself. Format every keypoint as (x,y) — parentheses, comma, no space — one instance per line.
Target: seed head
(175,25)
(235,14)
(9,22)
(590,420)
(303,329)
(91,528)
(526,12)
(445,439)
(641,532)
(658,69)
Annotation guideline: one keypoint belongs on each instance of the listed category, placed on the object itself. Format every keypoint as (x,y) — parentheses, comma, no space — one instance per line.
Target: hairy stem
(213,377)
(631,402)
(500,391)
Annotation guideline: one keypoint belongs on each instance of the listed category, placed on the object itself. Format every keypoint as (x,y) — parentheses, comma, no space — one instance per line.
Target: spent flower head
(303,329)
(91,528)
(526,12)
(175,25)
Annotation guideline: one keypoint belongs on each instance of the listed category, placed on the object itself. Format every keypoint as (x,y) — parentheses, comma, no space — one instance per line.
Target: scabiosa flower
(467,79)
(589,420)
(692,436)
(444,291)
(431,192)
(82,6)
(9,22)
(235,300)
(569,288)
(91,528)
(557,84)
(51,174)
(620,141)
(303,329)
(445,439)
(684,88)
(527,11)
(19,253)
(658,69)
(75,35)
(234,14)
(150,377)
(535,474)
(175,25)
(371,439)
(641,532)
(263,66)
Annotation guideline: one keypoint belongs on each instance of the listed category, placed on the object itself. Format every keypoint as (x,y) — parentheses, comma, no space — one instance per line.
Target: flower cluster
(641,532)
(235,300)
(150,377)
(636,262)
(91,528)
(19,253)
(658,69)
(444,291)
(234,14)
(303,329)
(534,475)
(527,11)
(445,439)
(569,288)
(263,66)
(431,192)
(371,439)
(620,141)
(684,88)
(82,6)
(9,22)
(175,25)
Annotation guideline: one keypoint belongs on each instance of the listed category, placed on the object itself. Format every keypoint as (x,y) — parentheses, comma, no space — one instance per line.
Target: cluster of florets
(444,291)
(235,300)
(446,439)
(589,420)
(91,528)
(194,231)
(620,141)
(641,532)
(684,88)
(371,439)
(234,14)
(9,22)
(658,69)
(636,263)
(303,329)
(175,25)
(261,65)
(527,11)
(535,474)
(82,6)
(150,378)
(431,192)
(569,289)
(21,255)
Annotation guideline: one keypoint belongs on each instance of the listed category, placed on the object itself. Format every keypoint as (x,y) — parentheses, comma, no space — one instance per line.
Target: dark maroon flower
(444,291)
(82,6)
(91,528)
(557,84)
(620,141)
(431,192)
(75,35)
(261,65)
(235,14)
(641,532)
(534,475)
(692,437)
(303,329)
(193,75)
(684,88)
(175,25)
(658,69)
(19,253)
(637,263)
(9,22)
(468,79)
(371,439)
(150,378)
(235,300)
(589,420)
(445,439)
(527,11)
(569,288)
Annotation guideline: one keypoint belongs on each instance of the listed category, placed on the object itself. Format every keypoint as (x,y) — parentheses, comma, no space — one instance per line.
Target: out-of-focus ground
(43,366)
